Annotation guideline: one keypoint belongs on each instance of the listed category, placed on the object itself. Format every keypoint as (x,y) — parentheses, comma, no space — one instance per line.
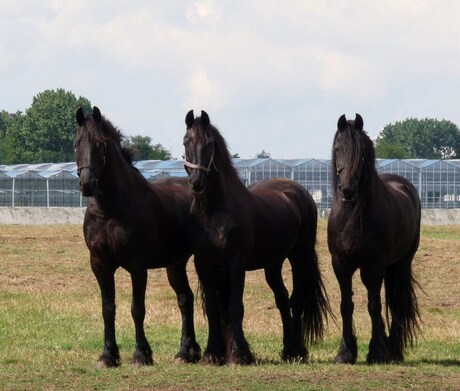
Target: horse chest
(114,241)
(217,231)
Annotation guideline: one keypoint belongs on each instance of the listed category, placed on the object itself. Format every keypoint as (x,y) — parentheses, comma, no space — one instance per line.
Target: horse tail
(402,305)
(311,297)
(316,306)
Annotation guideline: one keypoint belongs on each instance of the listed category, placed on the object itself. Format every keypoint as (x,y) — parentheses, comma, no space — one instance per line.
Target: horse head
(199,151)
(348,157)
(90,150)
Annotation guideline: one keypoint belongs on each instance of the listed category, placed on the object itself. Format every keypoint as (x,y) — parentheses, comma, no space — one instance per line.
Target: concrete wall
(429,216)
(37,216)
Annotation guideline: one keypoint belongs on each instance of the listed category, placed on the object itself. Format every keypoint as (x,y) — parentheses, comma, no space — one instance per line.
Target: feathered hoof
(213,359)
(142,358)
(298,354)
(240,357)
(345,358)
(108,361)
(189,356)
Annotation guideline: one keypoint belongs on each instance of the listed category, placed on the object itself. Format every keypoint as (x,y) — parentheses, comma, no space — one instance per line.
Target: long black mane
(222,158)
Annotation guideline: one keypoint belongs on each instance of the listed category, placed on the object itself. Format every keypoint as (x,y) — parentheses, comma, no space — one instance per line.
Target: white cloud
(288,69)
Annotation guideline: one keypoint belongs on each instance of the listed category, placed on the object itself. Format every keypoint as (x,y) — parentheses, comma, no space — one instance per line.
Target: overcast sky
(272,75)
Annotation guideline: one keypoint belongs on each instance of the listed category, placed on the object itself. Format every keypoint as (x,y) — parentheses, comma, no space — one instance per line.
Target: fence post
(12,194)
(47,192)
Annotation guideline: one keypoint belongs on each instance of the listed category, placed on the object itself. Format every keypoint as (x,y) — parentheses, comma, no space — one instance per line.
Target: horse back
(403,198)
(285,214)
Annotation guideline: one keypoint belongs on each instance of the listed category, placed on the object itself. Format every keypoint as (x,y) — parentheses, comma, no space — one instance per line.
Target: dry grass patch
(51,324)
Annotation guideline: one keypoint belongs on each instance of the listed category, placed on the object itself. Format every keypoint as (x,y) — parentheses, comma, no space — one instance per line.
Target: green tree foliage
(145,150)
(263,154)
(419,139)
(46,131)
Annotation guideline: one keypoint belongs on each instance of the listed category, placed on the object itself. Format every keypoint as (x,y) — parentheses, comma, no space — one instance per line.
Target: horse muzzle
(88,183)
(349,194)
(198,185)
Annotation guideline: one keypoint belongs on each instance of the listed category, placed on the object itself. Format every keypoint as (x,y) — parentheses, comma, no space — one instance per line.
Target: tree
(421,139)
(5,123)
(263,154)
(47,130)
(145,150)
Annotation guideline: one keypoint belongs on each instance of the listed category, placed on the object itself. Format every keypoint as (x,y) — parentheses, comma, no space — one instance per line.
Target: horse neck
(223,188)
(369,193)
(116,178)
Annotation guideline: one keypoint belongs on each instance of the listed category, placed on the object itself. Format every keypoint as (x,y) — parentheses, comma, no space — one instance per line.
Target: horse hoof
(213,359)
(378,359)
(295,355)
(193,355)
(246,358)
(108,362)
(142,358)
(138,364)
(346,358)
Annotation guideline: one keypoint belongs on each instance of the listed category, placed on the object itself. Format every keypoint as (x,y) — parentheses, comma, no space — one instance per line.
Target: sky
(272,75)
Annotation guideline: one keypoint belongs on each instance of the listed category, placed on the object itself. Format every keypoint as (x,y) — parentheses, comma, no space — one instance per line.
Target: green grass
(51,326)
(447,232)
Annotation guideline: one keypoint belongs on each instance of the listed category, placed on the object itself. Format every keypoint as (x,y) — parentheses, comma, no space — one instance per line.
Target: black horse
(241,229)
(374,225)
(134,224)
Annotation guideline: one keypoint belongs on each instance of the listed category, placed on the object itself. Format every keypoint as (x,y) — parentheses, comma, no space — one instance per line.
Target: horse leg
(274,278)
(189,350)
(348,351)
(143,352)
(240,352)
(216,348)
(373,280)
(296,348)
(106,280)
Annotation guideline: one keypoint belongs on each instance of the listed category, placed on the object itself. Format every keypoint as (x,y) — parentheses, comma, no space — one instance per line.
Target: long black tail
(402,304)
(317,305)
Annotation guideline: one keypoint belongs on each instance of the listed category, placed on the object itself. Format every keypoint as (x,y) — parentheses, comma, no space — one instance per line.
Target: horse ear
(205,122)
(97,114)
(80,116)
(359,123)
(189,118)
(342,123)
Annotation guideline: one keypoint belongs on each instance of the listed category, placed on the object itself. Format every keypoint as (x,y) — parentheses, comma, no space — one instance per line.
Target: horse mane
(109,132)
(359,149)
(222,158)
(357,146)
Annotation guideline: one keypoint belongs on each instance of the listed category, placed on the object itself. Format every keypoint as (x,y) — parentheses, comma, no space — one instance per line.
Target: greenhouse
(52,185)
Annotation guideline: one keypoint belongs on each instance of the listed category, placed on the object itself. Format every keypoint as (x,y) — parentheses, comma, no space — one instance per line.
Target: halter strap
(200,167)
(104,160)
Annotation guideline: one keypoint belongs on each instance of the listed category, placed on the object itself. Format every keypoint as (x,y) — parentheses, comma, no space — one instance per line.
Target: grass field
(51,325)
